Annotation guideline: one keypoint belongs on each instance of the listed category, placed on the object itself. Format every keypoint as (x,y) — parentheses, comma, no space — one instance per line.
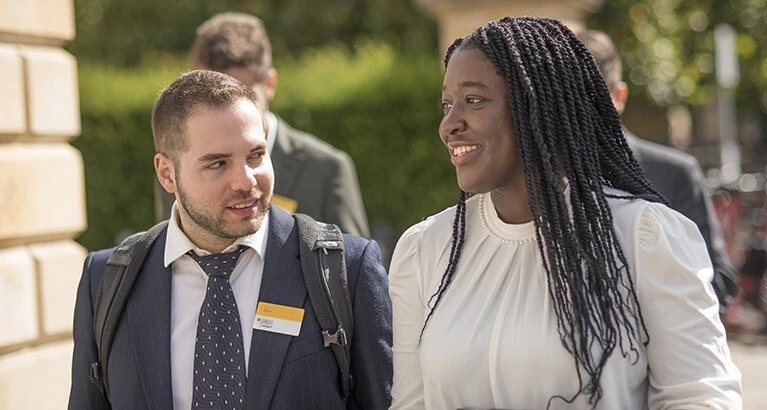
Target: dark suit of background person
(312,176)
(675,174)
(679,178)
(284,372)
(321,179)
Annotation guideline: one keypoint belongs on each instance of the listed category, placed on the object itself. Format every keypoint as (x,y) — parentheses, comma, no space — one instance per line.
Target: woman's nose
(451,124)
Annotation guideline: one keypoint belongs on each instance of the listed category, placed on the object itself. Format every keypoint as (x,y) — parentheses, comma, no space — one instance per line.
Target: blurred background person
(674,173)
(312,177)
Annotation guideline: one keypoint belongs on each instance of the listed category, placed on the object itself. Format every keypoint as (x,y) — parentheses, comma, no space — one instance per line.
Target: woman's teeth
(458,151)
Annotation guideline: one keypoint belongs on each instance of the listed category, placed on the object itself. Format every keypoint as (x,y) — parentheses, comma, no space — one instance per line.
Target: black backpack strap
(322,261)
(116,283)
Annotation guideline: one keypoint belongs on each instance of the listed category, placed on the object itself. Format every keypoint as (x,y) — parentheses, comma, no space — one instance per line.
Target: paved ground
(751,357)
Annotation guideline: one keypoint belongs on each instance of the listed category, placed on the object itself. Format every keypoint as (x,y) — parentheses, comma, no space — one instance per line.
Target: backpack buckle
(94,373)
(336,338)
(328,244)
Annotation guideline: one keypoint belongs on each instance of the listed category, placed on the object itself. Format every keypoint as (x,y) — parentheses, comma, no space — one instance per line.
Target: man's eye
(445,106)
(255,157)
(217,165)
(472,100)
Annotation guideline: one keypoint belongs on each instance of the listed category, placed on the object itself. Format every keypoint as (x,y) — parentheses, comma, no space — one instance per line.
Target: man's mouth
(245,204)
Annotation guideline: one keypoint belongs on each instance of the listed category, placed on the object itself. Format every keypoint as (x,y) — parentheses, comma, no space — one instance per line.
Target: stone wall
(42,202)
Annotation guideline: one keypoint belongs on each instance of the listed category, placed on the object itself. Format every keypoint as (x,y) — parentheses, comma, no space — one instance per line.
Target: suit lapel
(288,162)
(282,284)
(148,314)
(631,139)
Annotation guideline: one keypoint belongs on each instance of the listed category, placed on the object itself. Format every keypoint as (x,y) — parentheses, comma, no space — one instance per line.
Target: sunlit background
(365,76)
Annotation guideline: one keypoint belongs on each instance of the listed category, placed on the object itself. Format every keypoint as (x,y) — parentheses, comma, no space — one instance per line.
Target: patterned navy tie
(219,356)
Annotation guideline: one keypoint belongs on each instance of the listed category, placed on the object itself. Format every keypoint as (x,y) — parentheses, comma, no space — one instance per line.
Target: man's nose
(244,179)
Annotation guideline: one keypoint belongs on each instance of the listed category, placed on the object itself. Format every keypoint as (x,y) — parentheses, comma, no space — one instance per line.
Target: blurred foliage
(669,49)
(125,33)
(377,104)
(383,109)
(116,142)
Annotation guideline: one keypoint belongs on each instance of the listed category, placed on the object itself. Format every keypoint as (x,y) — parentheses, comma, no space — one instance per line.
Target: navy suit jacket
(679,178)
(285,372)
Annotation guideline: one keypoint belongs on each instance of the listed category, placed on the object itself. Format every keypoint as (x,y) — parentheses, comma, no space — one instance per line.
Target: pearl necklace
(490,231)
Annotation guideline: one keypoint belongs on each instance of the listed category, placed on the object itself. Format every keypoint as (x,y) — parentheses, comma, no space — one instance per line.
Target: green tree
(668,46)
(125,33)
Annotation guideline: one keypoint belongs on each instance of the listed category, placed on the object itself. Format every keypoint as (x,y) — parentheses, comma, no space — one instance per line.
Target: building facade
(42,202)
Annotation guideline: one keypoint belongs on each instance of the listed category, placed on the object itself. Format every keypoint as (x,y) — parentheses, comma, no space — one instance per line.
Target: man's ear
(166,172)
(619,96)
(271,84)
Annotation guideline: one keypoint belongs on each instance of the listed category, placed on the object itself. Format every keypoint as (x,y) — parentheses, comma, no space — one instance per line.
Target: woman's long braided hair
(567,129)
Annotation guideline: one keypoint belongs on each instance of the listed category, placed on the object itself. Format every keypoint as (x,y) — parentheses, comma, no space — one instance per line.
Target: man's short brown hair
(606,55)
(191,91)
(229,40)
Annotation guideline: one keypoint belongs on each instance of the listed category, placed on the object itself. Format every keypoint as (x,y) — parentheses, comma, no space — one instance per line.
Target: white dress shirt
(271,133)
(493,341)
(188,286)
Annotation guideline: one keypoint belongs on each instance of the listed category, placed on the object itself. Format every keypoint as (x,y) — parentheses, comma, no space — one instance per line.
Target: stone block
(36,378)
(52,95)
(42,193)
(46,19)
(18,297)
(59,265)
(12,103)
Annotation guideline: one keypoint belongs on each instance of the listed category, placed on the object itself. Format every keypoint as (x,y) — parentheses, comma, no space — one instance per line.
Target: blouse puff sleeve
(688,357)
(408,306)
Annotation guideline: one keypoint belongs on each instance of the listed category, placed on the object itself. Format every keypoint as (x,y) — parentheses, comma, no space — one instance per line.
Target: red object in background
(748,312)
(729,208)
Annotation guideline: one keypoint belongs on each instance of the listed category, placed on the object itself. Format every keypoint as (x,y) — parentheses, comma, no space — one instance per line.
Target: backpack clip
(336,338)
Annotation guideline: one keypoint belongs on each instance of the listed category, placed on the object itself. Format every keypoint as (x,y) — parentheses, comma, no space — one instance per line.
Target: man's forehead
(207,121)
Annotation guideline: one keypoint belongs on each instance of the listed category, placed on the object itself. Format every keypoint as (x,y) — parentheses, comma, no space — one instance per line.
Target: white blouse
(493,340)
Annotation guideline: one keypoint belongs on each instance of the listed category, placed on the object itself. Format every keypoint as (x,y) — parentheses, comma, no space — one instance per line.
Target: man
(311,176)
(675,174)
(212,155)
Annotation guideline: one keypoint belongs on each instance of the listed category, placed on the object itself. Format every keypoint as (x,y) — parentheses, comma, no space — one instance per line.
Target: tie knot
(218,264)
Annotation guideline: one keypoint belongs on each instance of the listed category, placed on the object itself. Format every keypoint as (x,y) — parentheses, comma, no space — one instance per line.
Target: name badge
(288,205)
(278,318)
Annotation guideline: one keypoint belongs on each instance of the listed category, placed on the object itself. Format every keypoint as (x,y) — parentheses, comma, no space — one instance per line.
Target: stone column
(42,202)
(458,17)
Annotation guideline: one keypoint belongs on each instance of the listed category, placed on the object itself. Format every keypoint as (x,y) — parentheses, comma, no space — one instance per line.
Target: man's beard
(216,225)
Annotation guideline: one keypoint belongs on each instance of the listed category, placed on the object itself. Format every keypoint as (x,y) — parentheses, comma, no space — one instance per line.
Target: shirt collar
(271,135)
(177,244)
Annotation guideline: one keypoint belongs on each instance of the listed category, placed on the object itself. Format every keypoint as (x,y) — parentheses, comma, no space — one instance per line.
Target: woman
(560,280)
